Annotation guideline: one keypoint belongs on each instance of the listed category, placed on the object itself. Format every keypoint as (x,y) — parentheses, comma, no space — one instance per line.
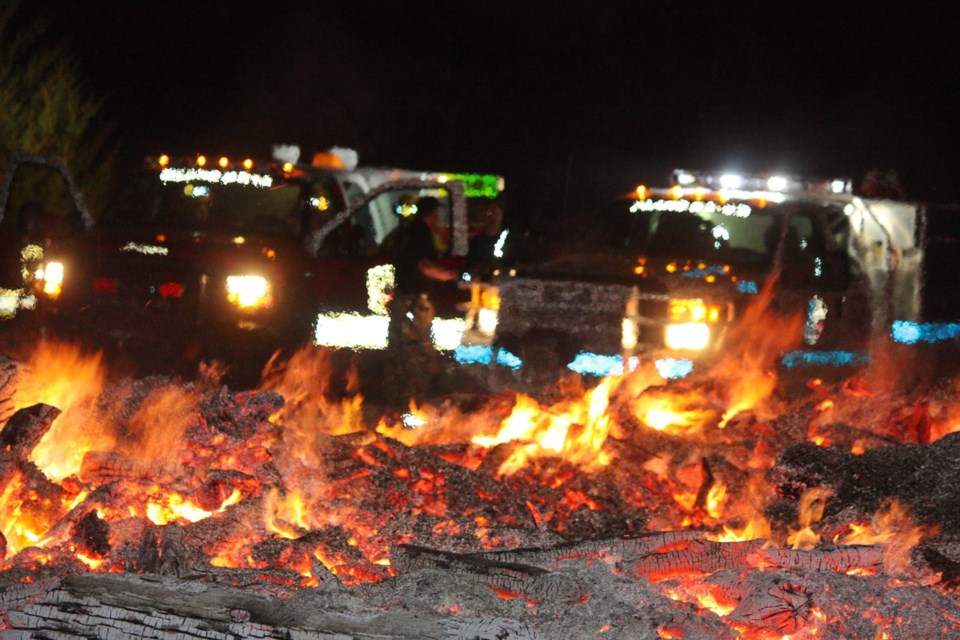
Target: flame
(61,375)
(948,416)
(93,563)
(893,529)
(812,503)
(21,525)
(173,507)
(716,499)
(675,412)
(576,431)
(662,415)
(306,383)
(286,516)
(163,508)
(746,372)
(712,601)
(744,516)
(754,529)
(319,502)
(424,424)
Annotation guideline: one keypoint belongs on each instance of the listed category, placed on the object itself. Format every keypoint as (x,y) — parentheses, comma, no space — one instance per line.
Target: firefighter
(411,360)
(481,257)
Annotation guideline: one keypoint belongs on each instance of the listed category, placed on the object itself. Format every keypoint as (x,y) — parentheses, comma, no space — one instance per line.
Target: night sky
(574,102)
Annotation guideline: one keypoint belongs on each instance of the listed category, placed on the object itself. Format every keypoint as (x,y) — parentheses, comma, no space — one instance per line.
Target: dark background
(574,102)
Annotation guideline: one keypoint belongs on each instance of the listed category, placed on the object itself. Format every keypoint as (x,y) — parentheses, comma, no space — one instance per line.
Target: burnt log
(922,477)
(609,550)
(9,372)
(24,430)
(240,414)
(697,557)
(841,559)
(507,579)
(453,596)
(97,606)
(92,535)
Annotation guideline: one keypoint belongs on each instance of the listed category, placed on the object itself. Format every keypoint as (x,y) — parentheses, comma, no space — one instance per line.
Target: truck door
(354,253)
(940,302)
(819,280)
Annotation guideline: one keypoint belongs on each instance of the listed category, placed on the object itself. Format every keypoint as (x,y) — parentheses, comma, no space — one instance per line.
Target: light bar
(145,249)
(215,176)
(760,182)
(735,210)
(476,185)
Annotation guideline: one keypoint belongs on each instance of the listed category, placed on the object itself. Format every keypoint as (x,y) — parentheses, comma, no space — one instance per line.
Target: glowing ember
(657,485)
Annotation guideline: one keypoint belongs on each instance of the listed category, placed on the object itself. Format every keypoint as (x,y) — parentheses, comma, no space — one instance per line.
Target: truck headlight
(50,278)
(487,321)
(484,309)
(629,334)
(249,292)
(687,336)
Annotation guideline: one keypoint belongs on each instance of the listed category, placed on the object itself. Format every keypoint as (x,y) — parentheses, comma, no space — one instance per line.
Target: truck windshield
(205,206)
(738,233)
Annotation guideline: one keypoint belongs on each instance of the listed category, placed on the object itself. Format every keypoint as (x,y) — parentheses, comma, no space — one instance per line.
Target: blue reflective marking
(824,358)
(473,354)
(508,359)
(747,286)
(595,364)
(600,365)
(914,332)
(674,368)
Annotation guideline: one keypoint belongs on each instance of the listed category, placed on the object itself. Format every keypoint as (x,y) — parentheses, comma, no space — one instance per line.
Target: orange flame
(893,529)
(812,503)
(681,414)
(61,375)
(576,431)
(746,372)
(305,382)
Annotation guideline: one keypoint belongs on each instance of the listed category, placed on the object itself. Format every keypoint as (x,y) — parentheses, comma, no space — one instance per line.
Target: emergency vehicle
(665,273)
(206,255)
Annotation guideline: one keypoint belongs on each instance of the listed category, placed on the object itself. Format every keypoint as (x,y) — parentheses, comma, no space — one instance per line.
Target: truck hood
(190,248)
(659,275)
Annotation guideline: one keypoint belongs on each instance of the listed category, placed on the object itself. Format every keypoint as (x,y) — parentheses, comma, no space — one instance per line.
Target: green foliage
(47,112)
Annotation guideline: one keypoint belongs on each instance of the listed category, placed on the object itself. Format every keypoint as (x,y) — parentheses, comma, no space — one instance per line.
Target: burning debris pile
(158,508)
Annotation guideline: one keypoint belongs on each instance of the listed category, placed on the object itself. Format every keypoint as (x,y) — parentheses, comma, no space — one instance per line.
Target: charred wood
(779,602)
(922,477)
(508,579)
(24,430)
(165,608)
(697,557)
(610,550)
(240,414)
(836,559)
(9,372)
(92,535)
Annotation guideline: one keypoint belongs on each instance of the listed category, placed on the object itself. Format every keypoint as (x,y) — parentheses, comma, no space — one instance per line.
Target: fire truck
(206,255)
(665,274)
